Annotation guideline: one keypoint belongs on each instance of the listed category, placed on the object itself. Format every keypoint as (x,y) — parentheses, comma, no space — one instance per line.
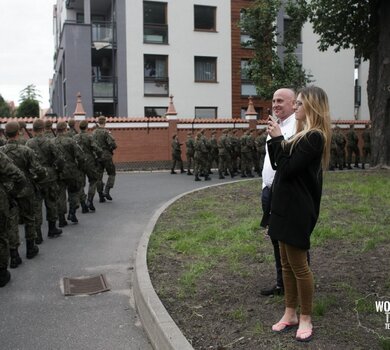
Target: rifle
(28,133)
(54,133)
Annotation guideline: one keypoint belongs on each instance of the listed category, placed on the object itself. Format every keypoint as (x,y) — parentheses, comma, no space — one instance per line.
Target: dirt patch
(226,310)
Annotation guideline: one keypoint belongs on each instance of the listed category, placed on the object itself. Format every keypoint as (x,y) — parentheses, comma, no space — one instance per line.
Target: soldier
(176,154)
(52,161)
(352,147)
(49,132)
(341,141)
(246,154)
(12,175)
(92,154)
(260,148)
(199,159)
(235,151)
(3,140)
(333,151)
(205,151)
(214,153)
(26,160)
(72,128)
(71,176)
(23,132)
(224,155)
(190,150)
(366,145)
(106,142)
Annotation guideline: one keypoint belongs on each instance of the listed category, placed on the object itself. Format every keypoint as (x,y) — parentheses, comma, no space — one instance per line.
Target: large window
(155,22)
(205,18)
(156,75)
(206,69)
(245,38)
(206,112)
(247,86)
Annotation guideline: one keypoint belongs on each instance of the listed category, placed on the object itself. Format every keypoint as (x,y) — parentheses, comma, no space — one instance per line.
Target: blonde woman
(297,187)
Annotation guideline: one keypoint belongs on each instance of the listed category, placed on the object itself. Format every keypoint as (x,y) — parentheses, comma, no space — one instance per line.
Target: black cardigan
(297,189)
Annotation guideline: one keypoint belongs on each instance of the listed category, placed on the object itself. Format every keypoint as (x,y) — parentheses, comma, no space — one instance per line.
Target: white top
(287,127)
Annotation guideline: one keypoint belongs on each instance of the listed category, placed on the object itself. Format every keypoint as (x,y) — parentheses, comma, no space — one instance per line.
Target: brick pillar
(171,116)
(250,114)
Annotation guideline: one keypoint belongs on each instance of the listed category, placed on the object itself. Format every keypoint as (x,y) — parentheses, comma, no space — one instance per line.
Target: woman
(297,188)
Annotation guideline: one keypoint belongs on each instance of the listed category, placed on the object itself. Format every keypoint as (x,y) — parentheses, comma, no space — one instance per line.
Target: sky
(26,55)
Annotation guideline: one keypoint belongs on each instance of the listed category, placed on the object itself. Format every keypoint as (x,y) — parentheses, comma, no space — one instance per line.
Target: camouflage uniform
(224,163)
(26,160)
(340,147)
(71,177)
(333,151)
(92,154)
(352,147)
(235,150)
(260,148)
(13,176)
(366,145)
(247,143)
(176,155)
(48,191)
(49,132)
(214,153)
(71,131)
(200,156)
(190,150)
(106,142)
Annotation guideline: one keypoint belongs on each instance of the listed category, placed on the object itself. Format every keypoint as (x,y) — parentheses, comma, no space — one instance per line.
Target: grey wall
(121,57)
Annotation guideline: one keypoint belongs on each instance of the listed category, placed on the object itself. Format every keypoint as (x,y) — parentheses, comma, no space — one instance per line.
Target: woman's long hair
(316,106)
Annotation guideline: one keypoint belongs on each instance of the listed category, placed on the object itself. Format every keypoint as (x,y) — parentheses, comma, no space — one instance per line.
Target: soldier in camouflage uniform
(49,132)
(246,154)
(106,142)
(333,151)
(72,128)
(52,161)
(366,145)
(200,157)
(235,150)
(260,148)
(71,176)
(92,154)
(352,147)
(26,160)
(190,150)
(224,163)
(176,155)
(23,135)
(214,153)
(341,141)
(11,175)
(3,140)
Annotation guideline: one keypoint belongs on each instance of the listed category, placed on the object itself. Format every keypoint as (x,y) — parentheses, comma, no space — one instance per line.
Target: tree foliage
(5,110)
(28,108)
(30,92)
(266,69)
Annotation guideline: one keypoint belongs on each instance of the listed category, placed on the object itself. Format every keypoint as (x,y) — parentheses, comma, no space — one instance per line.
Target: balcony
(156,86)
(104,88)
(103,34)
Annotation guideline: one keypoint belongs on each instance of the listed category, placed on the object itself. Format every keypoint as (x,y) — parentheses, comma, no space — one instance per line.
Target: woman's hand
(273,128)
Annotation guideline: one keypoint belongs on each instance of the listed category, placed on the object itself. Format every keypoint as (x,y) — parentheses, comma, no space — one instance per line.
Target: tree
(266,69)
(362,25)
(5,110)
(29,106)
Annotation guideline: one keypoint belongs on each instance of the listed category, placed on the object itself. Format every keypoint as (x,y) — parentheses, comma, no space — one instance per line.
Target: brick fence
(145,143)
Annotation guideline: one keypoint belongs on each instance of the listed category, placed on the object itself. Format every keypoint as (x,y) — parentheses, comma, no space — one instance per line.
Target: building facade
(127,57)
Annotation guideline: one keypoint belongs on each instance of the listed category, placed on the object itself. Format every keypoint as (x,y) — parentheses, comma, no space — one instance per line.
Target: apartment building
(126,57)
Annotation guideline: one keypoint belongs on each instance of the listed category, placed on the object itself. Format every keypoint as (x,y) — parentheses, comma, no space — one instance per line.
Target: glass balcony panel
(156,86)
(102,32)
(157,34)
(104,87)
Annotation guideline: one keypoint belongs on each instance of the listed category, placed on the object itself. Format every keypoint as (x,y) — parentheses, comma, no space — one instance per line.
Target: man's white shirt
(287,127)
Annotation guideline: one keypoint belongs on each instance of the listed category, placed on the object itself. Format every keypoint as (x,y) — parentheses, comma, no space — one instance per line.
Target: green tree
(266,69)
(29,106)
(5,110)
(362,25)
(30,92)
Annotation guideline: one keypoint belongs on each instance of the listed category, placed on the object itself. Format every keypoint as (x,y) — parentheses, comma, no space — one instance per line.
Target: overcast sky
(26,54)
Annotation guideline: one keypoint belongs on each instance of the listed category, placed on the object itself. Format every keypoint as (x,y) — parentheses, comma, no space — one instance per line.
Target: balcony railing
(104,87)
(156,33)
(156,86)
(103,32)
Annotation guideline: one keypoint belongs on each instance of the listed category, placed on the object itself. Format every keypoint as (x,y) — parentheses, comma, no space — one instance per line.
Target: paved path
(34,314)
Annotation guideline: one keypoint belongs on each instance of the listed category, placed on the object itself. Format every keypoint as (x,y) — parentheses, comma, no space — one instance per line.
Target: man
(92,153)
(71,176)
(190,150)
(341,141)
(176,155)
(106,142)
(260,148)
(283,108)
(10,174)
(366,145)
(72,128)
(352,147)
(247,144)
(214,149)
(52,161)
(49,132)
(26,160)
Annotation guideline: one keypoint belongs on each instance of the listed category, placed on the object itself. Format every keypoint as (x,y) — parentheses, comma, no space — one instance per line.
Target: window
(156,75)
(155,22)
(206,112)
(205,18)
(155,111)
(206,69)
(248,88)
(245,39)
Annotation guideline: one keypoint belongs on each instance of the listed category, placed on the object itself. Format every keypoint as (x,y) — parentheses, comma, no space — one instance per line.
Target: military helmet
(38,124)
(12,127)
(102,119)
(61,125)
(71,122)
(48,123)
(83,124)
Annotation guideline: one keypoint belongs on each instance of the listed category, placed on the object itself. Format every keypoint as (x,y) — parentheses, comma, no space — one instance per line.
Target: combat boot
(90,205)
(72,215)
(5,276)
(107,194)
(84,208)
(207,177)
(182,171)
(39,238)
(197,178)
(31,249)
(173,171)
(53,230)
(101,197)
(189,172)
(15,259)
(62,221)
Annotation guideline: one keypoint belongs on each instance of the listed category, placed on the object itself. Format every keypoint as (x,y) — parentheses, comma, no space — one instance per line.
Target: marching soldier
(72,128)
(366,145)
(176,155)
(246,154)
(106,142)
(260,148)
(190,150)
(224,155)
(49,132)
(341,141)
(352,147)
(214,149)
